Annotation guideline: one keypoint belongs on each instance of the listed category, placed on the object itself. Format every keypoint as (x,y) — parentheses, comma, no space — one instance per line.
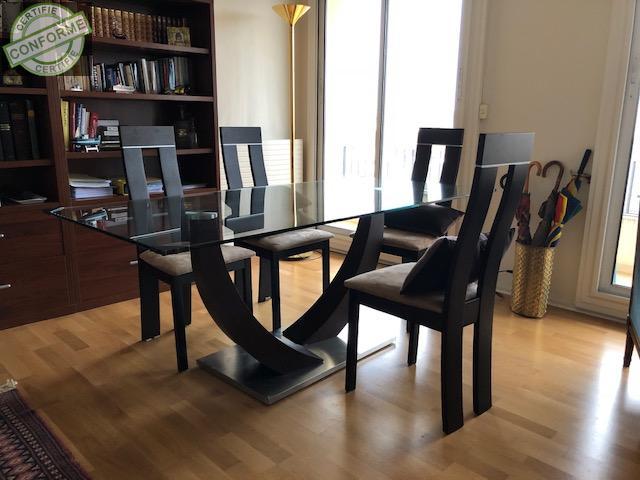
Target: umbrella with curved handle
(548,207)
(523,213)
(568,205)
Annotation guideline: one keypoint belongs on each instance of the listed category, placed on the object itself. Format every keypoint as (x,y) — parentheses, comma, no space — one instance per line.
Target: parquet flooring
(563,406)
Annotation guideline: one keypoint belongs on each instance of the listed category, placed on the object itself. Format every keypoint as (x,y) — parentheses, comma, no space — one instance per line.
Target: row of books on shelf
(79,125)
(114,23)
(18,131)
(163,75)
(85,186)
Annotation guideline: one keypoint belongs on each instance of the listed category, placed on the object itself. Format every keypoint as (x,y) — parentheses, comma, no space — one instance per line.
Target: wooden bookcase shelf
(22,91)
(147,47)
(147,97)
(122,199)
(8,208)
(146,153)
(83,269)
(43,162)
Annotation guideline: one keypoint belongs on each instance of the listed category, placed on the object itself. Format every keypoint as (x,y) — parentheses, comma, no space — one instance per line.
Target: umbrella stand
(532,273)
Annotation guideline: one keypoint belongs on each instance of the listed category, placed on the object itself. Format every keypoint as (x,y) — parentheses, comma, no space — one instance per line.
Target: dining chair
(467,288)
(174,270)
(410,245)
(272,248)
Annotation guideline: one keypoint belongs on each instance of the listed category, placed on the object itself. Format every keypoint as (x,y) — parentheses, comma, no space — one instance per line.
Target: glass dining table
(267,365)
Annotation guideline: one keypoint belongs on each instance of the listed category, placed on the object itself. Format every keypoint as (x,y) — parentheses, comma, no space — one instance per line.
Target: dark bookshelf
(82,268)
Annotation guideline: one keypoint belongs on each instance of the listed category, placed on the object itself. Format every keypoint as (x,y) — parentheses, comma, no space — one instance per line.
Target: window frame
(608,154)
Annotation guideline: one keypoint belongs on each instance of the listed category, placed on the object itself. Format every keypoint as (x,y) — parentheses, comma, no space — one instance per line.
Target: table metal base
(236,367)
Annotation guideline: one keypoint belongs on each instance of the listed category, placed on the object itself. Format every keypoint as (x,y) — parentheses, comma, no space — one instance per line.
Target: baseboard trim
(573,308)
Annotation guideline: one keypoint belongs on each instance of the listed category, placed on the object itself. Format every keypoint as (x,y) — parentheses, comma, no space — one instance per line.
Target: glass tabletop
(163,224)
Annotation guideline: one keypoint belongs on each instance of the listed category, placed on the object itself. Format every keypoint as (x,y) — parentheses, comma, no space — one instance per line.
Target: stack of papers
(25,198)
(85,186)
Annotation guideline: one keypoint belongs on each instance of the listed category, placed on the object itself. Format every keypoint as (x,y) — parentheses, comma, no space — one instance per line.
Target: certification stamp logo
(47,39)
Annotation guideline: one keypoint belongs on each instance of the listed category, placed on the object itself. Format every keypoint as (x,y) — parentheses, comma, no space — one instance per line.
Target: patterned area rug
(28,449)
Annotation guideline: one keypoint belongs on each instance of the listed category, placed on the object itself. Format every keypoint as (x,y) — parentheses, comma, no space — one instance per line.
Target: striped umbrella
(568,205)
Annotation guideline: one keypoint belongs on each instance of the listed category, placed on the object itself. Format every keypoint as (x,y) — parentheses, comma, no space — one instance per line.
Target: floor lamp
(291,13)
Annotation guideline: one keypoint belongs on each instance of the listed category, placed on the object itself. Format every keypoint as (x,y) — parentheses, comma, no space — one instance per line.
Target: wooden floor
(563,406)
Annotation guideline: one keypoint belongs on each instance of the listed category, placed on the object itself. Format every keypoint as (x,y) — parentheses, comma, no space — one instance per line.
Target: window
(391,67)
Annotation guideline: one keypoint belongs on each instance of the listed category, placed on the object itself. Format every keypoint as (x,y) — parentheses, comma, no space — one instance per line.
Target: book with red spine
(93,125)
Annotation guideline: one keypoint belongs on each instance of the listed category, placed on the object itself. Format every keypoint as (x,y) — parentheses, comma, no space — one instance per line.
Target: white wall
(544,66)
(252,66)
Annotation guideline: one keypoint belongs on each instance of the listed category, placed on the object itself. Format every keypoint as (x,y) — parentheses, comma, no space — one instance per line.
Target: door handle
(133,263)
(5,287)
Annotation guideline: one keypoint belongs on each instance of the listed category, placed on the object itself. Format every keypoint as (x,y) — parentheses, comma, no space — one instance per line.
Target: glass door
(351,87)
(390,67)
(622,223)
(423,43)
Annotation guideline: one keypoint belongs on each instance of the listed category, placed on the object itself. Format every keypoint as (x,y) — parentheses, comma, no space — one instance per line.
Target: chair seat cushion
(405,240)
(288,240)
(387,283)
(180,263)
(433,220)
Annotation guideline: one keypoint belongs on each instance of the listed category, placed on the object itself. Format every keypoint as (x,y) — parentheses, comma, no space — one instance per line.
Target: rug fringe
(9,385)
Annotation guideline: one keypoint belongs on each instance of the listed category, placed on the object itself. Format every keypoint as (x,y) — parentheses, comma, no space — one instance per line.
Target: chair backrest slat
(450,138)
(134,140)
(494,151)
(231,138)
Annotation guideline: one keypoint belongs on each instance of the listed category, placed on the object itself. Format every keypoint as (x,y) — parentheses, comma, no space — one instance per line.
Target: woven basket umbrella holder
(531,280)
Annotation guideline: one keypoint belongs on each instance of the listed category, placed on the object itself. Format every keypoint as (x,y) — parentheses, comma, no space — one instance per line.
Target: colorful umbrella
(548,208)
(568,205)
(523,212)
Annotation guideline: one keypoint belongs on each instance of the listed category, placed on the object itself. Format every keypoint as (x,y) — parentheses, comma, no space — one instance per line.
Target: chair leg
(178,304)
(628,351)
(451,380)
(187,304)
(326,266)
(149,303)
(352,343)
(264,283)
(414,332)
(247,287)
(482,332)
(275,294)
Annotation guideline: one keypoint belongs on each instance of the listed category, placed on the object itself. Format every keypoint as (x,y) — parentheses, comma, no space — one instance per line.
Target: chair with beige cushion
(411,244)
(454,284)
(174,270)
(273,248)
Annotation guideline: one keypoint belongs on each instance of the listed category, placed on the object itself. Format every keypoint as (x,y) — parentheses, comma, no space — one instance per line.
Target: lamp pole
(291,13)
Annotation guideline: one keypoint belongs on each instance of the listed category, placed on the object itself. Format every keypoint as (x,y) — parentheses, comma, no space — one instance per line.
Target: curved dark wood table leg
(234,318)
(268,366)
(328,316)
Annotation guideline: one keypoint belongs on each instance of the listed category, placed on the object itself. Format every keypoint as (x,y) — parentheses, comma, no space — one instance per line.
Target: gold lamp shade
(291,13)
